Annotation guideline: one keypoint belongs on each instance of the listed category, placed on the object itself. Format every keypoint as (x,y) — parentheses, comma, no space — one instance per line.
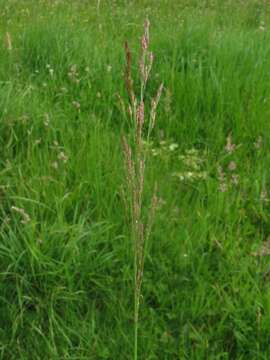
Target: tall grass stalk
(135,161)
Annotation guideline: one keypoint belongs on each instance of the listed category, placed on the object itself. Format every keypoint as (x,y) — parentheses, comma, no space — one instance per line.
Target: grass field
(66,248)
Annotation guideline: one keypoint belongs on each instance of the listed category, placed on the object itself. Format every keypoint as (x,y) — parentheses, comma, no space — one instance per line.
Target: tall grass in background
(201,285)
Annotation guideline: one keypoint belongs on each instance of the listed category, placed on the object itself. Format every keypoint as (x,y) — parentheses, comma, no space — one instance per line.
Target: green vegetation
(66,253)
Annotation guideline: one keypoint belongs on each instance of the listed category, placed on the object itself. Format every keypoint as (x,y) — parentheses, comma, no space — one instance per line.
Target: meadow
(66,239)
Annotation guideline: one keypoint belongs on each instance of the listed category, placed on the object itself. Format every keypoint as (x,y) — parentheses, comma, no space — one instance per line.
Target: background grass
(66,275)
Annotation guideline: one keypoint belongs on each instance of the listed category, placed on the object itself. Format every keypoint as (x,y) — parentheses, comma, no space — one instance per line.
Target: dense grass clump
(66,254)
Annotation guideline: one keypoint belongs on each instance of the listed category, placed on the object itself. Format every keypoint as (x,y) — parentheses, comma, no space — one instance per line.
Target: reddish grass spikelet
(146,58)
(140,121)
(154,105)
(128,77)
(129,165)
(145,38)
(153,208)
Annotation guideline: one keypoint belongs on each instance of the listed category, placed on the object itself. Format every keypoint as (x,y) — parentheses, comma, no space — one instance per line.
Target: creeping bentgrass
(135,161)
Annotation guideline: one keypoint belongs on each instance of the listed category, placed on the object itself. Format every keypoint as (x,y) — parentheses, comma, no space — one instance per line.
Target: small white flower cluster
(262,26)
(164,148)
(50,70)
(46,121)
(61,156)
(258,143)
(264,197)
(73,74)
(190,175)
(193,162)
(76,105)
